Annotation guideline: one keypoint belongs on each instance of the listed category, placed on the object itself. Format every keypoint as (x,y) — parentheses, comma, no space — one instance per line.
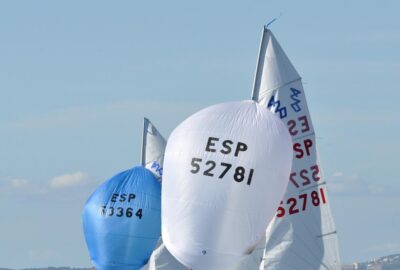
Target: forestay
(153,147)
(303,234)
(225,171)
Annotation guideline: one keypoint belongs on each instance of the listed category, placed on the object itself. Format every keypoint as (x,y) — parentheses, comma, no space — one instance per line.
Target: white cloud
(351,184)
(21,186)
(14,184)
(341,183)
(18,183)
(76,179)
(24,187)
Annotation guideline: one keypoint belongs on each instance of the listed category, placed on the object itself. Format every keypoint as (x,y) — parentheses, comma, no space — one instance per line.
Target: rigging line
(273,20)
(326,234)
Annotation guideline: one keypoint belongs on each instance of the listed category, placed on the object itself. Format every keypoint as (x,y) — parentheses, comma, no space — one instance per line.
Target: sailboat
(121,219)
(303,234)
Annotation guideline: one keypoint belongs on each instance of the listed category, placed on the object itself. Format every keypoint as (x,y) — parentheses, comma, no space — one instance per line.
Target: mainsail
(302,236)
(153,147)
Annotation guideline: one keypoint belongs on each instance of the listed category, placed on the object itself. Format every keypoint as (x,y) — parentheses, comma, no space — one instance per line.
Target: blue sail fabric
(122,220)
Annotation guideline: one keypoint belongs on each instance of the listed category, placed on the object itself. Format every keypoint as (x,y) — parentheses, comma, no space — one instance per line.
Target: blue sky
(76,79)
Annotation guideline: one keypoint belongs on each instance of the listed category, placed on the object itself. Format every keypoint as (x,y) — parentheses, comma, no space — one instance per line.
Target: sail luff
(144,141)
(153,146)
(260,65)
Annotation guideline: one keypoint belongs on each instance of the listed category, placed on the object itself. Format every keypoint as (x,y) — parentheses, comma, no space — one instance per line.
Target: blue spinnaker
(122,220)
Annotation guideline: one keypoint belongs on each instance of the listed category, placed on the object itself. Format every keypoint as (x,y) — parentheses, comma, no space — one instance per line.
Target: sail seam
(314,186)
(264,93)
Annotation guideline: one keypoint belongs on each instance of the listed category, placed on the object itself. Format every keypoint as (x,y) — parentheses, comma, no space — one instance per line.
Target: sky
(77,78)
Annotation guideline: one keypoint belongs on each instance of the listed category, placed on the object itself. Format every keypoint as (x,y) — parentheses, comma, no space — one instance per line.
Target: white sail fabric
(251,261)
(153,147)
(302,236)
(225,171)
(161,259)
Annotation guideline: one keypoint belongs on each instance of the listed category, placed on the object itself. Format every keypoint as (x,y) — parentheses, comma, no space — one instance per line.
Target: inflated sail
(122,220)
(153,147)
(303,234)
(225,171)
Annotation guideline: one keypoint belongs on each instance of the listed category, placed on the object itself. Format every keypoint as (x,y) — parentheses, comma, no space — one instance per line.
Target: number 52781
(212,169)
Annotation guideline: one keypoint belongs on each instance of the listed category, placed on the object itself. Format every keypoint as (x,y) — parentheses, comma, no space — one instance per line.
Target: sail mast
(260,65)
(144,141)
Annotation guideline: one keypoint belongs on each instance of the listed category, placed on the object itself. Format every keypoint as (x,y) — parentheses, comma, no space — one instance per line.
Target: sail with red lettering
(302,234)
(225,171)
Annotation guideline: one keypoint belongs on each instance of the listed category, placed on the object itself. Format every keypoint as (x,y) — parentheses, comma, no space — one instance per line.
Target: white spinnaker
(226,169)
(303,235)
(153,147)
